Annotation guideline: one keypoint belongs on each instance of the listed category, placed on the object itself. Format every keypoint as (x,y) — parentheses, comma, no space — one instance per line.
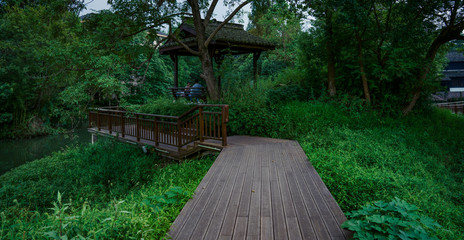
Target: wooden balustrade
(455,107)
(178,131)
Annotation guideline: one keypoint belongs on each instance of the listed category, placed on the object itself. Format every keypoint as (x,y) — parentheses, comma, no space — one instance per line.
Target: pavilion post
(175,59)
(255,68)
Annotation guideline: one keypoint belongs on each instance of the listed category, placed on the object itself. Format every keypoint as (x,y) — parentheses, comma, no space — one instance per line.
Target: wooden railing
(455,107)
(199,123)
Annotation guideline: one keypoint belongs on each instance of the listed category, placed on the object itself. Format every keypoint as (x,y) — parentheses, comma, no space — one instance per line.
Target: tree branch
(454,12)
(225,22)
(210,12)
(196,53)
(163,20)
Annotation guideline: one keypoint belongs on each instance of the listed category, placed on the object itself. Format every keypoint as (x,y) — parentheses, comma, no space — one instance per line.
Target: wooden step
(209,146)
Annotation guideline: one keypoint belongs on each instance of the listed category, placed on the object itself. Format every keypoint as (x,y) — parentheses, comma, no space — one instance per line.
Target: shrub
(162,106)
(286,93)
(104,215)
(107,168)
(393,220)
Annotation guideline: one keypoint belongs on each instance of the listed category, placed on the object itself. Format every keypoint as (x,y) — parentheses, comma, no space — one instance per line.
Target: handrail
(140,114)
(178,131)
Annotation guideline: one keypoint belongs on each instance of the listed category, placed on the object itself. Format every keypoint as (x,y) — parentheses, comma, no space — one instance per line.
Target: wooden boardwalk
(261,188)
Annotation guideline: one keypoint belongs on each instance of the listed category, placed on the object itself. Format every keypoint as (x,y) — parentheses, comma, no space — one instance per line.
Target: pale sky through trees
(220,11)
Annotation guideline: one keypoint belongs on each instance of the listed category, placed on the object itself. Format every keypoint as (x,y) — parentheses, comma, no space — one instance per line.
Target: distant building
(453,79)
(454,72)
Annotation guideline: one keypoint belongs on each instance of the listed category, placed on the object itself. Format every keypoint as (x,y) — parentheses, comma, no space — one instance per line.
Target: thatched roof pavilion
(231,39)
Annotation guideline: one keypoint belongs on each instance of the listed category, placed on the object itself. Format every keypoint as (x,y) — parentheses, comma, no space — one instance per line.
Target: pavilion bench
(189,93)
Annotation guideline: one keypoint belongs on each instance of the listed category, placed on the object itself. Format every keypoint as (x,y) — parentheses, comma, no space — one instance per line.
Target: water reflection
(14,153)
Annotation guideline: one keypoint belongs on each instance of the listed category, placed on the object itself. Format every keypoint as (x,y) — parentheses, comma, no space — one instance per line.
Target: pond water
(14,153)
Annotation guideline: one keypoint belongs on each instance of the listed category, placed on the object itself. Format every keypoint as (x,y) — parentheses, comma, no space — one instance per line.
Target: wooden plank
(329,221)
(254,218)
(266,213)
(266,228)
(215,225)
(306,227)
(278,218)
(293,228)
(332,205)
(311,206)
(209,194)
(205,184)
(240,228)
(245,198)
(210,221)
(229,220)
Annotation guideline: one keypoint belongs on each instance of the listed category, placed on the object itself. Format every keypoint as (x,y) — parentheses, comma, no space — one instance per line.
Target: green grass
(363,157)
(108,190)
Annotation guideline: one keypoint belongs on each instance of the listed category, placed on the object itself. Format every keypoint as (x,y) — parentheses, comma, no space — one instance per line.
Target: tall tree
(153,14)
(446,20)
(203,41)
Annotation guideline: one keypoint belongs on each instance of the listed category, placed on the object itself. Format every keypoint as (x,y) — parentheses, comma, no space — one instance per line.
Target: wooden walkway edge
(261,188)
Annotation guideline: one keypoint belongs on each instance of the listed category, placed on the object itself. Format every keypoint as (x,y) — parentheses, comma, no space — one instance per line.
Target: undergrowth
(108,190)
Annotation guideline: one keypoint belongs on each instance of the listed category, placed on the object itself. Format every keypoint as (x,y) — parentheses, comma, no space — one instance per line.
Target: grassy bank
(108,190)
(363,157)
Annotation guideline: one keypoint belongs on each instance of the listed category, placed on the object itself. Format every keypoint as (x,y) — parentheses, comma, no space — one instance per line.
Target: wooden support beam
(175,59)
(255,68)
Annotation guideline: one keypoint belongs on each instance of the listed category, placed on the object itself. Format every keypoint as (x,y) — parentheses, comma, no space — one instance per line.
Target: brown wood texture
(178,131)
(261,188)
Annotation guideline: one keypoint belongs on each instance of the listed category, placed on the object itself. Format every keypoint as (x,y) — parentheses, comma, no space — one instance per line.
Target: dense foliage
(109,190)
(52,71)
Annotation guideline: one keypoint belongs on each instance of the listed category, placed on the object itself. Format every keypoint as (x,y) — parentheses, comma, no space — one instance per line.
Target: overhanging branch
(210,12)
(225,22)
(196,53)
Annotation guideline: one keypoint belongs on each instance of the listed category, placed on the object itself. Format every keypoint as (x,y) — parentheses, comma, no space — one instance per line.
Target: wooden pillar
(175,59)
(137,127)
(123,125)
(202,123)
(255,68)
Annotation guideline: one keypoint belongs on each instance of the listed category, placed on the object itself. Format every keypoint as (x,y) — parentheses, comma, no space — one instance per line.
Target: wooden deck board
(261,188)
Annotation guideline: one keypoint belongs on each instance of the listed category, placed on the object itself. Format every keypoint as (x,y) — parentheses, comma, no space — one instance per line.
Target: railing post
(179,135)
(110,126)
(98,120)
(202,123)
(137,127)
(156,132)
(123,125)
(225,119)
(89,118)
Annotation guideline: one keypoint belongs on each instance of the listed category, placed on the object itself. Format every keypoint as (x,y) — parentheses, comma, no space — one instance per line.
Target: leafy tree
(151,15)
(390,46)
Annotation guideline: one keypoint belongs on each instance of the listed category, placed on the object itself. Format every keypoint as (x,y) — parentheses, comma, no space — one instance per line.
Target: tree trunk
(447,34)
(208,76)
(367,95)
(330,55)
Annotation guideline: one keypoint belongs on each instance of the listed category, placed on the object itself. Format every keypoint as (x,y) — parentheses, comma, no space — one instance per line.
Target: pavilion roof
(231,38)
